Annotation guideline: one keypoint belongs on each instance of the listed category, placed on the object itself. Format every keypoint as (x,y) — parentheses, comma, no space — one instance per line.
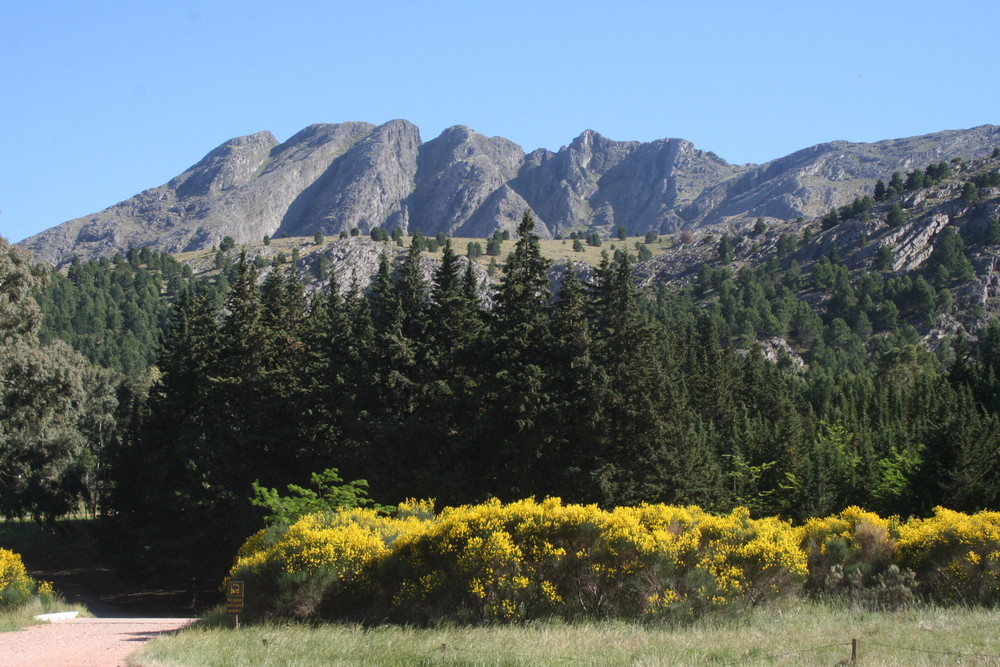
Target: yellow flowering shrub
(528,559)
(848,550)
(955,555)
(489,561)
(750,560)
(293,570)
(525,559)
(15,584)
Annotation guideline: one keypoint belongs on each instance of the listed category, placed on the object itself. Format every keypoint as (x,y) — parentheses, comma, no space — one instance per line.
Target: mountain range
(332,178)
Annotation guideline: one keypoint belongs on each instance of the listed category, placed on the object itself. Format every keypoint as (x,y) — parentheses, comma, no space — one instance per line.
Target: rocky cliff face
(928,212)
(336,177)
(461,184)
(811,181)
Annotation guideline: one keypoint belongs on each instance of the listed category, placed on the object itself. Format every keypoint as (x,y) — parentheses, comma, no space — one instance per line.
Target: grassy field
(797,633)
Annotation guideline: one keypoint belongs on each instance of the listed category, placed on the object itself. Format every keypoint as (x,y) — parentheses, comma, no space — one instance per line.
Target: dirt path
(82,642)
(127,616)
(73,561)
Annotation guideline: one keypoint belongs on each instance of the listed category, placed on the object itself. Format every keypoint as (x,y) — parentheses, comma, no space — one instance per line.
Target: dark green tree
(726,253)
(949,254)
(993,231)
(896,217)
(896,184)
(884,258)
(880,190)
(514,399)
(970,193)
(47,397)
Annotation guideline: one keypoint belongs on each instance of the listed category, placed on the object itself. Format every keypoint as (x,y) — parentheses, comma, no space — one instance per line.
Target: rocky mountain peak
(337,177)
(230,165)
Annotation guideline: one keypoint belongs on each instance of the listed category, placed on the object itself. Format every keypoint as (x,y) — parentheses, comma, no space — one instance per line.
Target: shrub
(849,551)
(16,587)
(523,560)
(956,556)
(519,561)
(292,570)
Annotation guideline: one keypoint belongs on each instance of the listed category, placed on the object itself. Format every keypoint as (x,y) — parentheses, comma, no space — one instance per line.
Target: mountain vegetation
(793,367)
(596,394)
(57,411)
(113,311)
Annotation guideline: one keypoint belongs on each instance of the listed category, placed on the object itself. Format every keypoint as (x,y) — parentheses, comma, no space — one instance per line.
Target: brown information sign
(234,597)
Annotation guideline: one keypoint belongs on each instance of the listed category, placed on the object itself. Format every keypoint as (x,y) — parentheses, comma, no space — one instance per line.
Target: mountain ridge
(331,178)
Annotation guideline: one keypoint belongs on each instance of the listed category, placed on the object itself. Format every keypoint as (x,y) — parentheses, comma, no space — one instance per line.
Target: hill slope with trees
(792,368)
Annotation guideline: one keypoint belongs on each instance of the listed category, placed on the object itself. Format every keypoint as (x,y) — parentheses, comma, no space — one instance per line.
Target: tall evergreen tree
(634,397)
(570,460)
(164,478)
(514,399)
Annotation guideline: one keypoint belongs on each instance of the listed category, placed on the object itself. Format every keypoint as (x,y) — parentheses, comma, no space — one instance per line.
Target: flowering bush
(16,586)
(848,551)
(521,560)
(527,559)
(956,555)
(324,557)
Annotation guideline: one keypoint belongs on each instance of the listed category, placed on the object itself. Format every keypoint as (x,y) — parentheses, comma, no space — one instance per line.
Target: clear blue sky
(103,99)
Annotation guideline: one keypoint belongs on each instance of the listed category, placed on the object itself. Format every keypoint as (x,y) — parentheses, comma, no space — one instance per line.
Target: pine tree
(438,430)
(970,193)
(383,297)
(164,476)
(451,309)
(896,184)
(896,216)
(634,395)
(726,253)
(514,398)
(880,190)
(570,460)
(949,253)
(411,291)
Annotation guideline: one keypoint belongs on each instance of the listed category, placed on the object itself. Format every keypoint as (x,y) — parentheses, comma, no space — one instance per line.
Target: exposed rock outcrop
(333,178)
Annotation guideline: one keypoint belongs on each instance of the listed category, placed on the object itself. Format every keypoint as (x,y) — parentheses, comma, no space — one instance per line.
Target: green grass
(21,617)
(795,633)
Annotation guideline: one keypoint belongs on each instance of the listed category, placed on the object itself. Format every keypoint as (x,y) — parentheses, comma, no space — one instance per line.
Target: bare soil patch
(127,615)
(82,642)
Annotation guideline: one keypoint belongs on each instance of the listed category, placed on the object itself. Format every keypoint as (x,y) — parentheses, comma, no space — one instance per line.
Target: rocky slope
(928,212)
(336,177)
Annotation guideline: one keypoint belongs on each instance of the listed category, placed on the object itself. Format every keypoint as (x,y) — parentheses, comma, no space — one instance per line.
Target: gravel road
(82,642)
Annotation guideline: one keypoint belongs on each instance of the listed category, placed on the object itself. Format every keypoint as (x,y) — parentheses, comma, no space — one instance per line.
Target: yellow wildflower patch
(504,561)
(15,584)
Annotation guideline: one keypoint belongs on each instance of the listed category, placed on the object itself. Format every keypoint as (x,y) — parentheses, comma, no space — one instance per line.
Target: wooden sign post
(234,600)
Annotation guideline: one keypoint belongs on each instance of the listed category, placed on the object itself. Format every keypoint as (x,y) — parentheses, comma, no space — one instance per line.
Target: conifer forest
(182,393)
